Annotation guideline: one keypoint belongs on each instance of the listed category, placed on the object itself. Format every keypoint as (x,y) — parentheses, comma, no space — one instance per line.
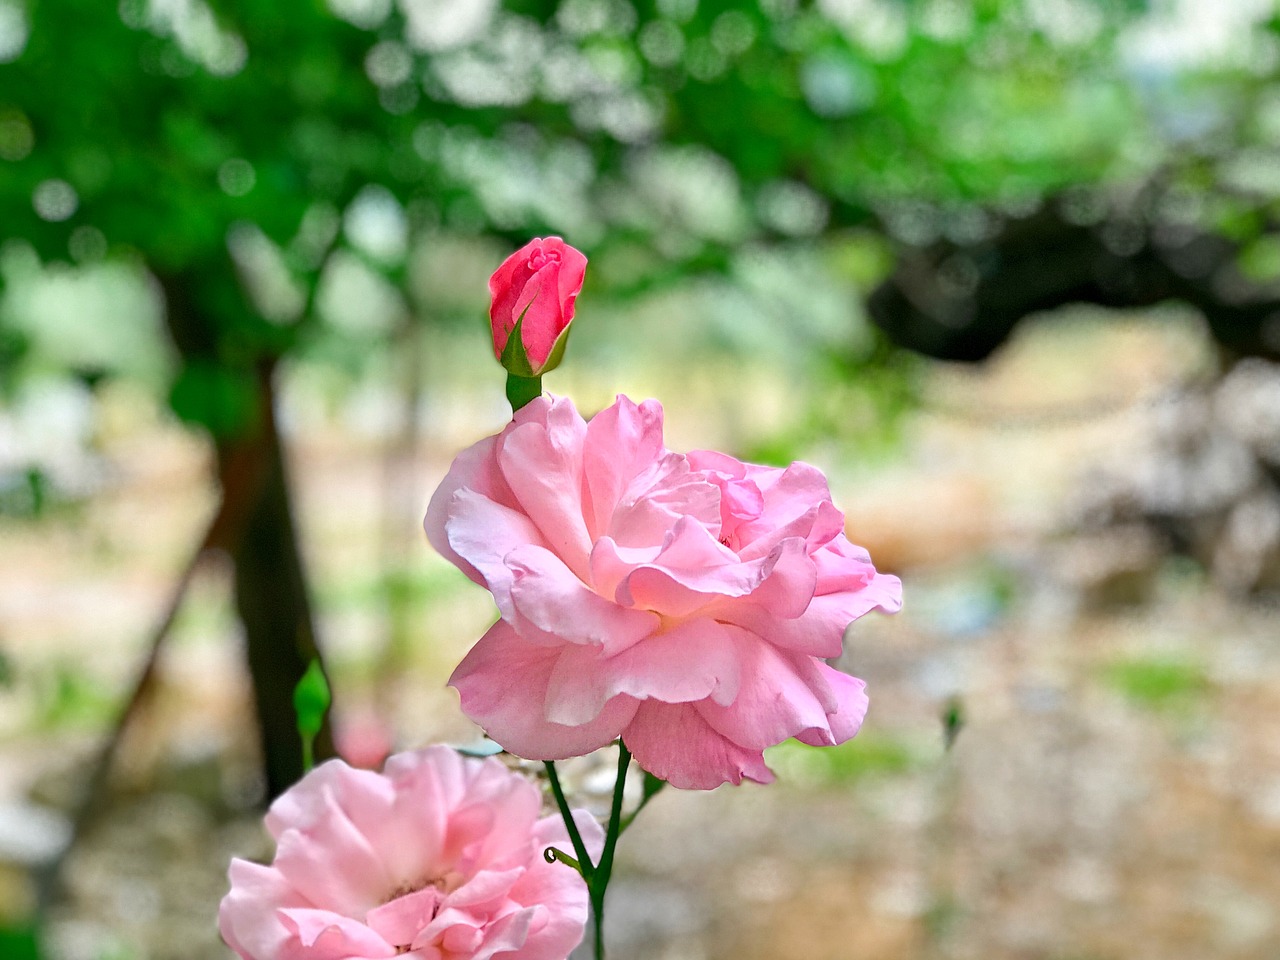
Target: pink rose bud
(533,293)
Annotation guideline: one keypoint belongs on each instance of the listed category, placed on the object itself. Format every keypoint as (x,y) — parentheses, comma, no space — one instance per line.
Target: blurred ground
(1113,791)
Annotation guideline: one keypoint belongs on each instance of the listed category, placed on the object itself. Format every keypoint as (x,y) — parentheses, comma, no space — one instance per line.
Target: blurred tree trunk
(275,610)
(271,595)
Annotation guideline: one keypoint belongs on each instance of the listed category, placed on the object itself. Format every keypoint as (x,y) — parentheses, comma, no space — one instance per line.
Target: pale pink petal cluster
(439,857)
(686,603)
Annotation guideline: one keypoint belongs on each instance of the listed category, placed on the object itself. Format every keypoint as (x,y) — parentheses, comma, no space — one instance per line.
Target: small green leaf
(952,721)
(311,700)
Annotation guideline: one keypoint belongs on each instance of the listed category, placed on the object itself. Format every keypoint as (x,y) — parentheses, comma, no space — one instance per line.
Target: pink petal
(780,696)
(716,462)
(547,594)
(820,630)
(333,866)
(489,830)
(658,498)
(622,440)
(503,683)
(573,270)
(692,661)
(843,566)
(473,469)
(488,885)
(506,935)
(482,533)
(400,921)
(360,817)
(692,569)
(331,936)
(851,707)
(543,465)
(247,915)
(790,496)
(611,563)
(462,938)
(817,526)
(544,320)
(789,582)
(674,742)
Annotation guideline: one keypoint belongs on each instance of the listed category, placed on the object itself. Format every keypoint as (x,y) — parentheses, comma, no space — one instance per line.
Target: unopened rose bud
(533,298)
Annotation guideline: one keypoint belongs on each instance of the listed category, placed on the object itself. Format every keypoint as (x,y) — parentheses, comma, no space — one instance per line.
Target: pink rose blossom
(539,282)
(439,857)
(684,603)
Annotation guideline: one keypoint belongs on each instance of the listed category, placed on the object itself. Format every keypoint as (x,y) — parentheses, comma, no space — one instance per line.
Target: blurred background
(1007,270)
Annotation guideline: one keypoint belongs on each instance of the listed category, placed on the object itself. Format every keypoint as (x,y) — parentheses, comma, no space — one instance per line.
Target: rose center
(409,908)
(540,258)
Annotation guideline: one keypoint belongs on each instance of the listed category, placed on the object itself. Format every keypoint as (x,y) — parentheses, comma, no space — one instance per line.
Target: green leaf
(311,701)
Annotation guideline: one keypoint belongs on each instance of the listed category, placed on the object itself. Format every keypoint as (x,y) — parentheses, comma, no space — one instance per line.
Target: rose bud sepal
(524,383)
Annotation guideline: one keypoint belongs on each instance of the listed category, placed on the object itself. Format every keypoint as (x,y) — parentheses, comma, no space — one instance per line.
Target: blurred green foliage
(869,754)
(230,147)
(70,697)
(19,943)
(1158,682)
(304,178)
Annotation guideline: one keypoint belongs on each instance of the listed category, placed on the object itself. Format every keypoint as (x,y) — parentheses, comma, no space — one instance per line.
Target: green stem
(585,866)
(597,875)
(605,867)
(521,390)
(599,883)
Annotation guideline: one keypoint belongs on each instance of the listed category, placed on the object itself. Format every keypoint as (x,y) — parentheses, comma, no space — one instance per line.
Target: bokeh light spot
(388,64)
(55,200)
(365,14)
(375,223)
(835,88)
(13,32)
(792,208)
(662,43)
(16,137)
(733,33)
(87,244)
(681,11)
(236,177)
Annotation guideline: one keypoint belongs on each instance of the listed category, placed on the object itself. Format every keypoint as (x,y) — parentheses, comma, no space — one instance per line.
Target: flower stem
(599,882)
(596,875)
(585,866)
(605,868)
(520,390)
